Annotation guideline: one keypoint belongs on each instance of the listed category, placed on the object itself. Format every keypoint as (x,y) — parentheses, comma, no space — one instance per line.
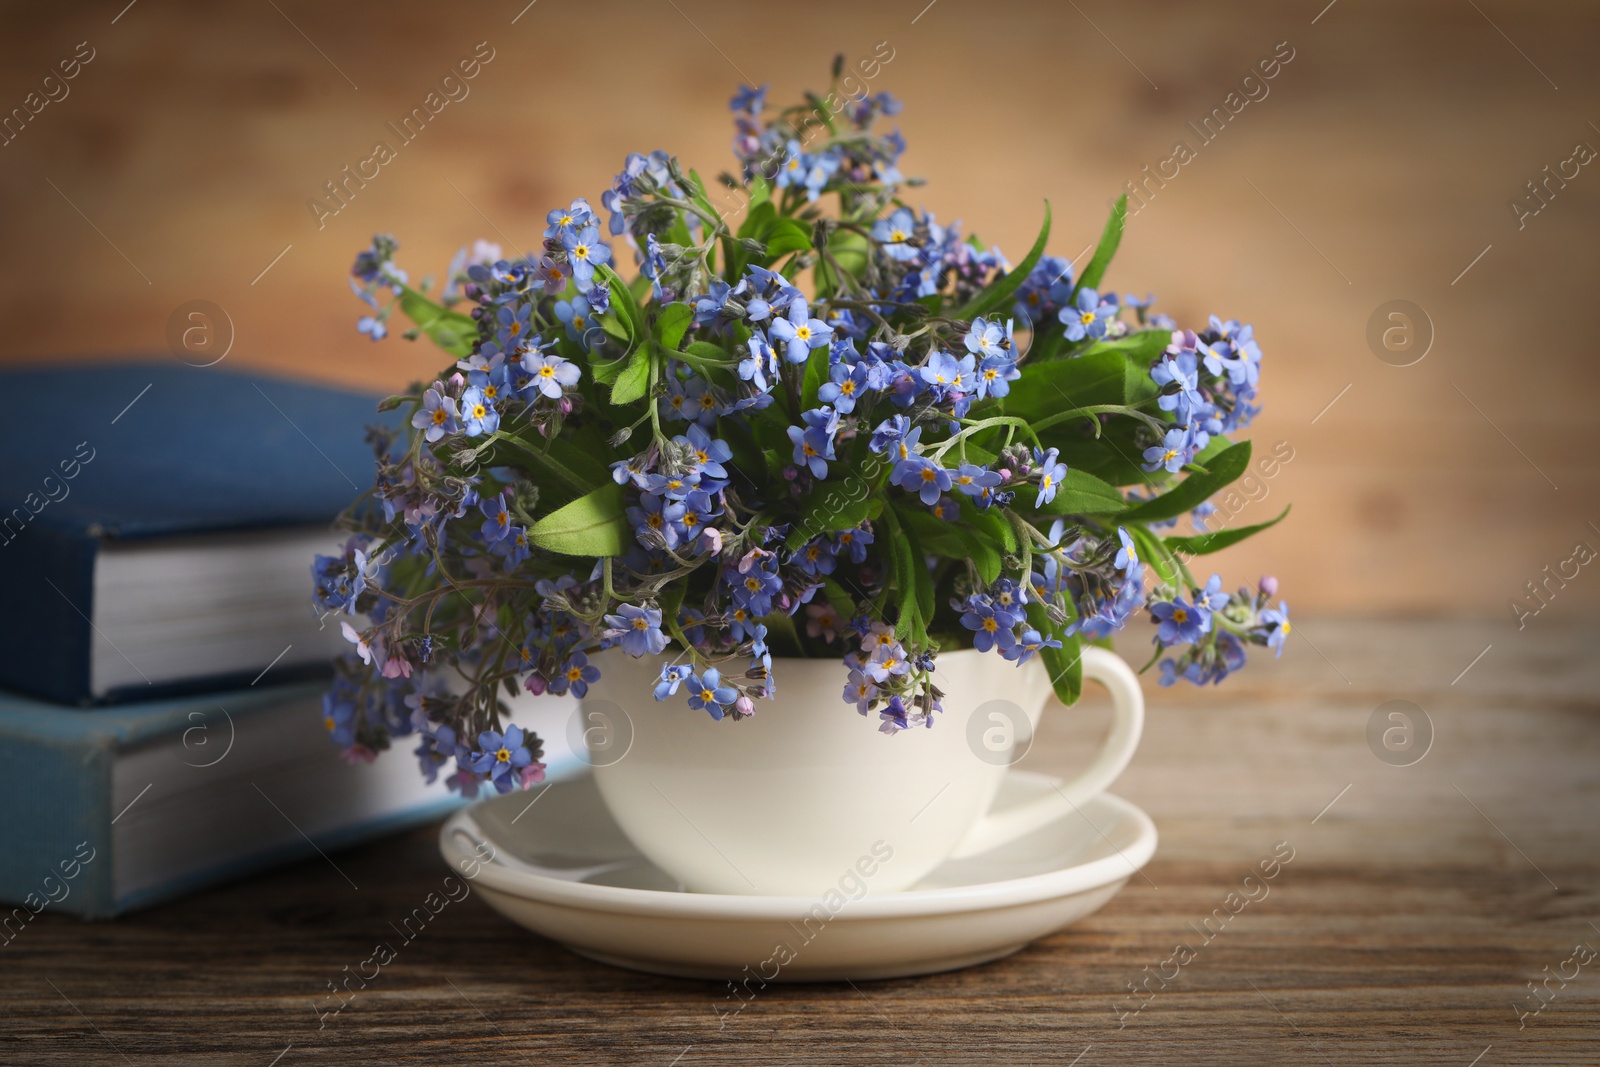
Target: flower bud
(1269,585)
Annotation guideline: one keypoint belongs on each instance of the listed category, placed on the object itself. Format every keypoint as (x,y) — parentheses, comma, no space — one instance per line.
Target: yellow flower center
(504,755)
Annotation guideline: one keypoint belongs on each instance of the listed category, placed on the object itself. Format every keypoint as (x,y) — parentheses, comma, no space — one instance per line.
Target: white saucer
(563,869)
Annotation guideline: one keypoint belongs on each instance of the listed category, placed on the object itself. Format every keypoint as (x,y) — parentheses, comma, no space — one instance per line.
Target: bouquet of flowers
(817,422)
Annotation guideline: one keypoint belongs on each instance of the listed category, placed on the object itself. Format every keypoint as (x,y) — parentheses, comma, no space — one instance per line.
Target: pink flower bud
(744,706)
(711,540)
(1269,585)
(532,774)
(535,684)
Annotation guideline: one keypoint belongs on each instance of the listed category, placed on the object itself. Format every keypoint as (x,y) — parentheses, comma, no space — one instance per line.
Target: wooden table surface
(1419,904)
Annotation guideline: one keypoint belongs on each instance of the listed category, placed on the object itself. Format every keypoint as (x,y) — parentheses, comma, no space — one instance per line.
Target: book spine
(46,635)
(56,836)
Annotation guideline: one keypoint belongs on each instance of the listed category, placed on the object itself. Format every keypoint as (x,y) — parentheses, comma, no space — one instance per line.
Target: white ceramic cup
(806,791)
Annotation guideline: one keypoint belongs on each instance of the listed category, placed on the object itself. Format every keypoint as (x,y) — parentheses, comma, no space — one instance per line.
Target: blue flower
(709,453)
(654,264)
(514,547)
(1030,642)
(800,333)
(847,384)
(575,675)
(497,520)
(672,676)
(1089,317)
(813,446)
(1179,622)
(707,691)
(637,630)
(1050,472)
(513,324)
(987,339)
(895,433)
(860,691)
(761,363)
(698,510)
(990,625)
(1180,385)
(854,543)
(888,661)
(573,220)
(437,416)
(1046,585)
(1212,595)
(499,756)
(896,234)
(815,557)
(585,252)
(552,374)
(1278,619)
(749,100)
(339,717)
(712,308)
(436,748)
(972,479)
(920,475)
(995,375)
(655,520)
(1171,454)
(754,587)
(577,315)
(373,326)
(1127,556)
(478,415)
(949,373)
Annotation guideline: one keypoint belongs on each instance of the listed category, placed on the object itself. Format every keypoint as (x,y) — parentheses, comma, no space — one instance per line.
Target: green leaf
(1204,544)
(817,367)
(450,330)
(669,600)
(839,504)
(759,218)
(672,323)
(622,297)
(1081,493)
(592,525)
(1047,388)
(1195,489)
(785,236)
(634,381)
(1064,664)
(990,522)
(983,556)
(605,371)
(843,604)
(999,291)
(561,459)
(1110,237)
(760,192)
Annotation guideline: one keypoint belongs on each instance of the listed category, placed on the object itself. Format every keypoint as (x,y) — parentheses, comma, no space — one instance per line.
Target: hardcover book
(159,528)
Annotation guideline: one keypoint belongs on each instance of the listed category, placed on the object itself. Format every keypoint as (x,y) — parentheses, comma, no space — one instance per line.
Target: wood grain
(1402,931)
(1379,165)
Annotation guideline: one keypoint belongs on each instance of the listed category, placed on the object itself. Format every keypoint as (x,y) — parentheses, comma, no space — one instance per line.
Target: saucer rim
(656,903)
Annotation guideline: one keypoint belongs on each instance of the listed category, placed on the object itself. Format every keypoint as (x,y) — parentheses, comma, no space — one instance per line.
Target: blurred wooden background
(1379,166)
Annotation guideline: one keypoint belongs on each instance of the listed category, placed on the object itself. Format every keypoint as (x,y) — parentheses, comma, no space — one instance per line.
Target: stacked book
(160,703)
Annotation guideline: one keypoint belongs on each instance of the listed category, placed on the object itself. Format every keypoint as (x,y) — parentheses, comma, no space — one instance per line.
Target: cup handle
(1127,723)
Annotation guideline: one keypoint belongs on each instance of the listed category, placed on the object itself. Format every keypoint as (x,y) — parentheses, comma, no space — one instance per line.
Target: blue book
(157,525)
(118,808)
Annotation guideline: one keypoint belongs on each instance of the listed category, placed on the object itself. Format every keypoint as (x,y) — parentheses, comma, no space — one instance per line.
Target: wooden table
(1419,903)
